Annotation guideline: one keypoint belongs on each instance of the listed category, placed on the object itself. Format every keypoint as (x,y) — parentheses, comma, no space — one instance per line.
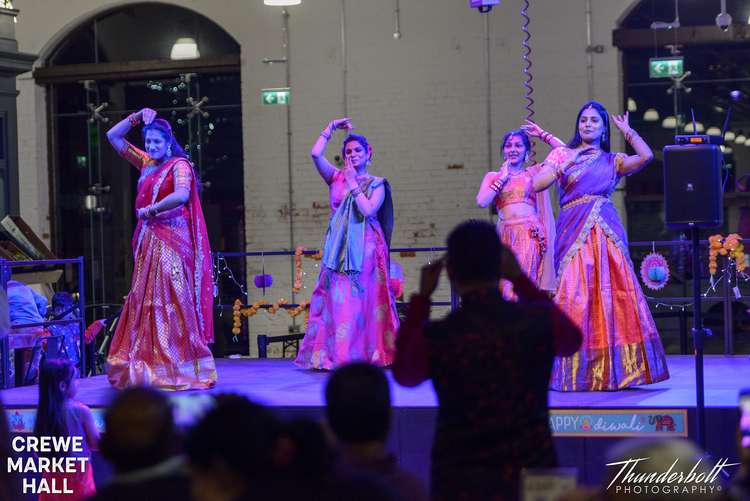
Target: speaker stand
(698,336)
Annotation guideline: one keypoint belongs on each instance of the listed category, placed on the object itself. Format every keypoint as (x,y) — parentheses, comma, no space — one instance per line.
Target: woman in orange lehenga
(525,223)
(597,287)
(166,324)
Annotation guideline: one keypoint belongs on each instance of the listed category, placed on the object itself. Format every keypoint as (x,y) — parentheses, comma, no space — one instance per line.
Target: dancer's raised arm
(367,206)
(116,135)
(643,154)
(325,169)
(492,184)
(534,130)
(547,175)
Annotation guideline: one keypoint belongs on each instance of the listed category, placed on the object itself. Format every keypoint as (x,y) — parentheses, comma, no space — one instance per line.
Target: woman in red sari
(166,324)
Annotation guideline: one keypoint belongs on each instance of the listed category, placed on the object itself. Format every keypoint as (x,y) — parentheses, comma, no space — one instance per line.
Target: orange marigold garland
(298,273)
(272,308)
(730,246)
(298,268)
(238,311)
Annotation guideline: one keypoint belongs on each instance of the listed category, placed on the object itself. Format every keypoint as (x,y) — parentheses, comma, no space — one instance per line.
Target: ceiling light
(282,3)
(651,115)
(740,139)
(631,104)
(729,136)
(713,131)
(698,126)
(669,123)
(185,48)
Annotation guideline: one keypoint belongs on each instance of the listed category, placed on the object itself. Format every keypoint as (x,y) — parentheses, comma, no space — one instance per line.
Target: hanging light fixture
(651,115)
(725,149)
(282,3)
(632,106)
(669,123)
(747,141)
(740,139)
(729,136)
(713,131)
(698,127)
(185,48)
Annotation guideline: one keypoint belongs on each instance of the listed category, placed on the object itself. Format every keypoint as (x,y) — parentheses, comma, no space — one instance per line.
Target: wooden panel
(136,69)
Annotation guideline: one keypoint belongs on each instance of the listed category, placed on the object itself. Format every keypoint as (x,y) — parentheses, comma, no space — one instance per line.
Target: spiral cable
(528,77)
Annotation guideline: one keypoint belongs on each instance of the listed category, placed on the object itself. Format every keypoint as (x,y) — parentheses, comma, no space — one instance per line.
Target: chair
(44,347)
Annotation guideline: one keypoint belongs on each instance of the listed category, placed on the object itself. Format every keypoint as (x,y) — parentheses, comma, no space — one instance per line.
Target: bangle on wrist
(630,135)
(134,119)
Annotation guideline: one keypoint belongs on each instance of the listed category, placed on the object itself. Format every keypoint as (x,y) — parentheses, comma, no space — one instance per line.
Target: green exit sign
(275,96)
(665,67)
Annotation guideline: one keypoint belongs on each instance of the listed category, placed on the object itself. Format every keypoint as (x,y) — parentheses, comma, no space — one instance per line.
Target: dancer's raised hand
(532,129)
(148,115)
(342,123)
(622,122)
(350,173)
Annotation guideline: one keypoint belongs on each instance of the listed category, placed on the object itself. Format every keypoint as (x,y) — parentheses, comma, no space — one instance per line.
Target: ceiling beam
(625,38)
(155,68)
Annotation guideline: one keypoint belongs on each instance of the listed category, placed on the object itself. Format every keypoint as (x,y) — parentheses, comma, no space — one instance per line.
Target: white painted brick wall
(420,100)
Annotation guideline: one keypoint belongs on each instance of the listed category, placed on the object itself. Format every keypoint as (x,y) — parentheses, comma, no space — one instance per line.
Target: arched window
(151,55)
(718,62)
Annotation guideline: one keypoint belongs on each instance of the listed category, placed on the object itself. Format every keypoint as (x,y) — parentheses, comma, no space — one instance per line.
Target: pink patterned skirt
(157,341)
(525,236)
(352,318)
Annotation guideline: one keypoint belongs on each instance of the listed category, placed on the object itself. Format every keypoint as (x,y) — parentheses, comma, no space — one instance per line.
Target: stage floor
(279,383)
(584,425)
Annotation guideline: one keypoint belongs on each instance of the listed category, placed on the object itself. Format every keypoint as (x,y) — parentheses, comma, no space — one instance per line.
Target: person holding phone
(489,362)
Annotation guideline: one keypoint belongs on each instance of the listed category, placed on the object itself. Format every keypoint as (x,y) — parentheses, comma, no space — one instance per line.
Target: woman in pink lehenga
(525,221)
(597,286)
(352,310)
(166,324)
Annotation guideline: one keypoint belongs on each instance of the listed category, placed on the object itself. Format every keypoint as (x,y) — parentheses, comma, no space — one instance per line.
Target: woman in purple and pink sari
(166,324)
(597,286)
(352,309)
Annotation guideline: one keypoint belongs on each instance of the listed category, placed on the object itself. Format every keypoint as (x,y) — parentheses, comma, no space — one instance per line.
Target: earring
(169,150)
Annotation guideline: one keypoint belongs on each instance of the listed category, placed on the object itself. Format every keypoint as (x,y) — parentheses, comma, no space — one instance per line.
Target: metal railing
(6,271)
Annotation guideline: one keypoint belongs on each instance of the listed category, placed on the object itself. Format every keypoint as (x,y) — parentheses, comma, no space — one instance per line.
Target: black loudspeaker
(693,195)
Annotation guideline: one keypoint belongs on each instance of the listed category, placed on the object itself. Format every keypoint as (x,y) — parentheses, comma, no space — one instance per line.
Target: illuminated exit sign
(665,67)
(275,96)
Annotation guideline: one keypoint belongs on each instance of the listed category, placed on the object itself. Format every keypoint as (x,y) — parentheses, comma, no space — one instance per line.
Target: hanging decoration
(655,271)
(263,280)
(298,273)
(238,311)
(730,246)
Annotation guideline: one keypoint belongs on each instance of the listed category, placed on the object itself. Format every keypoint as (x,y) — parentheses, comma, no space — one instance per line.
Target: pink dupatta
(193,248)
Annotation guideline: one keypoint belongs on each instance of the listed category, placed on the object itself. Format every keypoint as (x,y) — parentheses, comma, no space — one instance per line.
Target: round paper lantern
(654,271)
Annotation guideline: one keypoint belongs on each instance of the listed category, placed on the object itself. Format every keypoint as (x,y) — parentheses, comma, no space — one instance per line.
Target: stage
(585,424)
